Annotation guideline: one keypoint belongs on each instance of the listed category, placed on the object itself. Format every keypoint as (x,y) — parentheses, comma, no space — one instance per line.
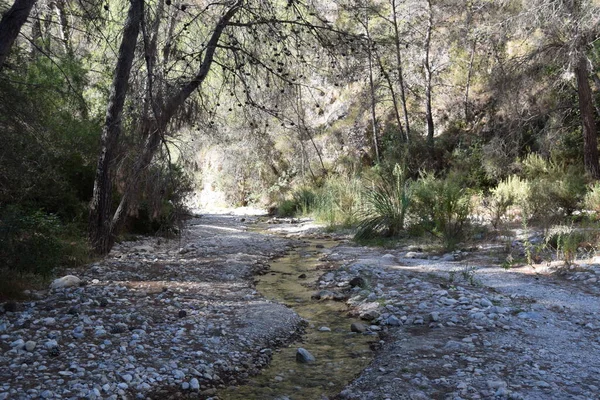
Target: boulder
(65,281)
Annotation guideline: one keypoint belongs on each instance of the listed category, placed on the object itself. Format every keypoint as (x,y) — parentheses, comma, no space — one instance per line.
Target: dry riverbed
(159,319)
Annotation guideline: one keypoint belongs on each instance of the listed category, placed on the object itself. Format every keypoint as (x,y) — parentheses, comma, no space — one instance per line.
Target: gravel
(149,320)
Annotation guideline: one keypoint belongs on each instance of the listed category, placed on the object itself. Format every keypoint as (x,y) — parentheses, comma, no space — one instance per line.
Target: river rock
(143,248)
(358,327)
(303,356)
(30,345)
(323,295)
(65,281)
(357,281)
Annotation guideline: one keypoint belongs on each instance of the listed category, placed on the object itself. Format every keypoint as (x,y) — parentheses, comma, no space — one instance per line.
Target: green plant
(566,241)
(387,204)
(287,208)
(555,191)
(441,207)
(513,190)
(36,242)
(339,201)
(592,199)
(305,200)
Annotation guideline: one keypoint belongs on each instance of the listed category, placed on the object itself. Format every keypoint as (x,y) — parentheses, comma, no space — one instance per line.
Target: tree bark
(387,78)
(11,24)
(100,230)
(156,128)
(372,90)
(468,84)
(400,70)
(586,108)
(428,79)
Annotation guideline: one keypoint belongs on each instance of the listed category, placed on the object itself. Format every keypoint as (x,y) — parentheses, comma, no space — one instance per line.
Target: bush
(305,200)
(441,207)
(554,190)
(592,199)
(509,192)
(387,204)
(162,202)
(36,242)
(287,208)
(339,202)
(566,241)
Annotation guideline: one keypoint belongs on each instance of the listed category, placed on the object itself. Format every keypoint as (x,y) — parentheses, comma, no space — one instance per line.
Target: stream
(340,354)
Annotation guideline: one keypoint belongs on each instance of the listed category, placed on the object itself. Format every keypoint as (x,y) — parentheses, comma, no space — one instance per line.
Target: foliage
(510,191)
(387,205)
(162,204)
(592,199)
(441,207)
(567,241)
(554,191)
(339,202)
(32,241)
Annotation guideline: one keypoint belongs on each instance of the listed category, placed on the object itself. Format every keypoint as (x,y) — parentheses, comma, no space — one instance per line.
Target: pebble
(304,356)
(358,327)
(30,345)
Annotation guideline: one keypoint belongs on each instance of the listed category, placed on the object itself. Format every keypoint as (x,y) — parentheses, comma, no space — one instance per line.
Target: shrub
(36,242)
(513,190)
(592,199)
(441,207)
(339,202)
(287,208)
(554,190)
(566,241)
(387,204)
(162,203)
(305,200)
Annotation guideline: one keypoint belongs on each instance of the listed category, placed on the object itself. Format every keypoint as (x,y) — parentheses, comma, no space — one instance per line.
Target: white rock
(145,248)
(65,281)
(194,384)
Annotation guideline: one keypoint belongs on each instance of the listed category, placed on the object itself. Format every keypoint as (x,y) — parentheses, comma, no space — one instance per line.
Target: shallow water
(340,354)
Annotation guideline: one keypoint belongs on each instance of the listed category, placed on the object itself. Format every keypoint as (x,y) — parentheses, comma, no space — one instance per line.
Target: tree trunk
(100,230)
(586,108)
(11,24)
(387,78)
(400,70)
(372,91)
(427,69)
(157,127)
(468,84)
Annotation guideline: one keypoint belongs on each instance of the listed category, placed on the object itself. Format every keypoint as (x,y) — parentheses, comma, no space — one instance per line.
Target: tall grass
(387,203)
(441,207)
(339,202)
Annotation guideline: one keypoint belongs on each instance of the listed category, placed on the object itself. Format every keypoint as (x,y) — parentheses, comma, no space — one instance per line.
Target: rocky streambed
(215,315)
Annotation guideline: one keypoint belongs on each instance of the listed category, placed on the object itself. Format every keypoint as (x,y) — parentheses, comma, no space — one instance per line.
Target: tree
(101,227)
(11,24)
(228,35)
